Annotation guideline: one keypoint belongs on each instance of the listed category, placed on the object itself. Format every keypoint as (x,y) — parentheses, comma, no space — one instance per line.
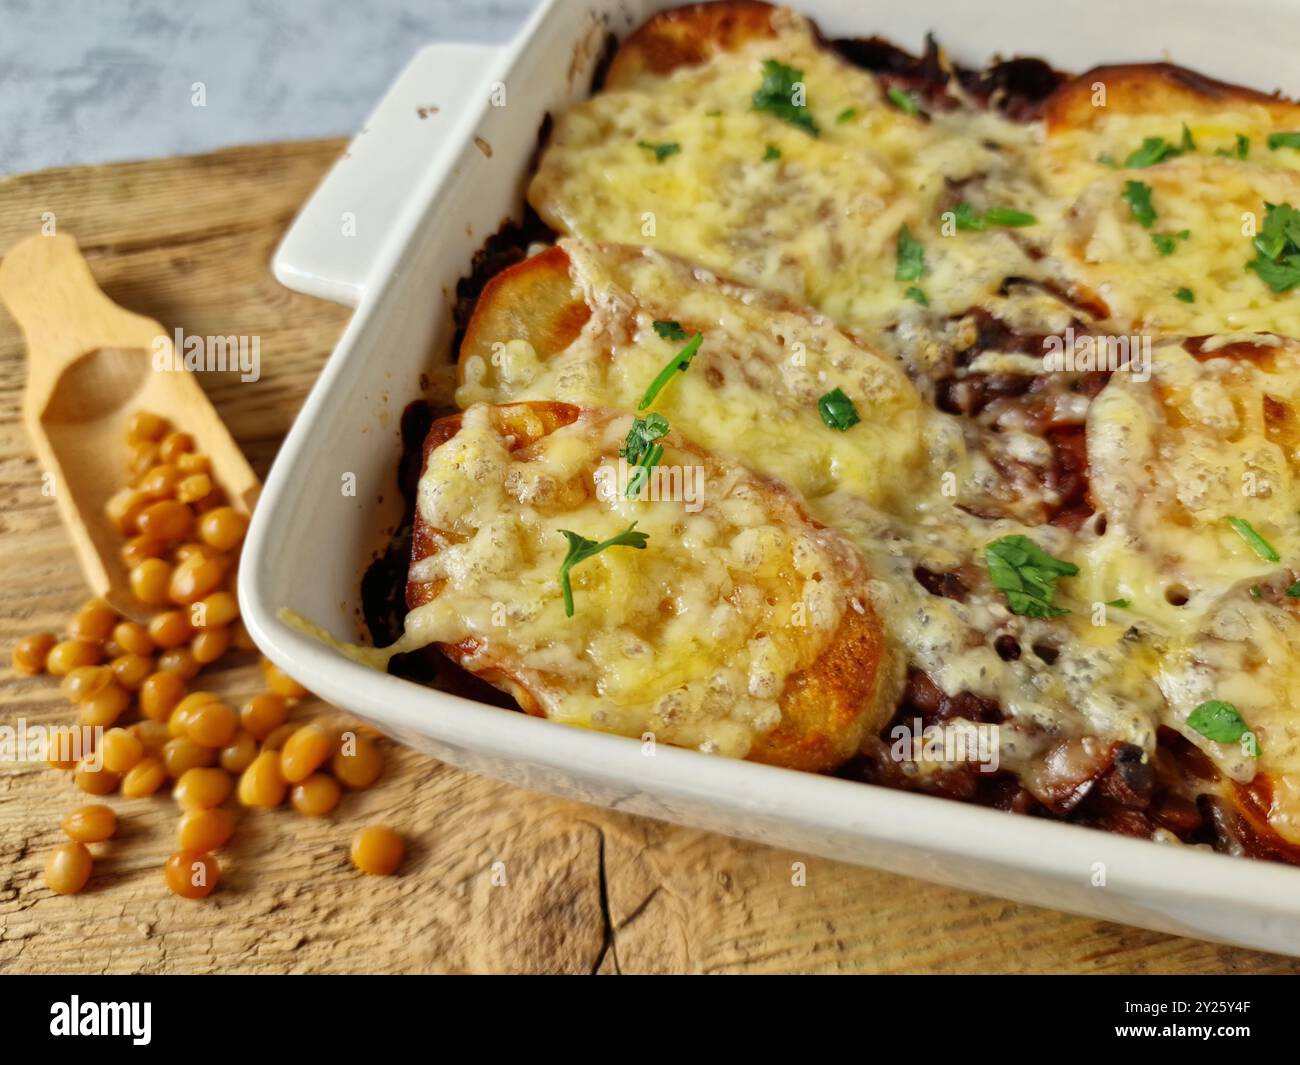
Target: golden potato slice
(1153,89)
(686,36)
(752,391)
(1196,474)
(533,301)
(742,626)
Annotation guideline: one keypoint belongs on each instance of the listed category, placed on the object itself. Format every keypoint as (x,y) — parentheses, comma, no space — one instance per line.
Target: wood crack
(609,945)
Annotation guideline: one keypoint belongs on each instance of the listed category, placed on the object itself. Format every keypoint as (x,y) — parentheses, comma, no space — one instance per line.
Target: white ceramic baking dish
(436,170)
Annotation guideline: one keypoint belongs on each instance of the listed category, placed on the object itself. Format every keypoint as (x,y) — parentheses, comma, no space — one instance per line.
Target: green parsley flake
(1154,150)
(1027,574)
(777,95)
(837,410)
(679,364)
(662,151)
(1167,243)
(1257,543)
(967,217)
(1218,721)
(644,432)
(1289,139)
(1137,194)
(1277,248)
(1240,150)
(580,549)
(669,329)
(903,100)
(911,257)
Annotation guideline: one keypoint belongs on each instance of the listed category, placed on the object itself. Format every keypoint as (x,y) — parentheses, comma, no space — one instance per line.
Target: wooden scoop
(90,366)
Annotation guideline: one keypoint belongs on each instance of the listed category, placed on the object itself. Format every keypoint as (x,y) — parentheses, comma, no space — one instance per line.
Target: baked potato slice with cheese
(754,385)
(736,136)
(1168,175)
(534,301)
(1155,89)
(707,610)
(1196,472)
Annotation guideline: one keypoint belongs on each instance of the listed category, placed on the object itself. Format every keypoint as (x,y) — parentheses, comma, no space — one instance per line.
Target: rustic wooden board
(187,241)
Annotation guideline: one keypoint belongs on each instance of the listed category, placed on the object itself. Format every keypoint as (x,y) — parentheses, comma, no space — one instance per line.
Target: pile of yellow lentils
(181,548)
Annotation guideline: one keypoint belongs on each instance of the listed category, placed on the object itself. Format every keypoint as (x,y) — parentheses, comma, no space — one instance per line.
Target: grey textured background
(91,81)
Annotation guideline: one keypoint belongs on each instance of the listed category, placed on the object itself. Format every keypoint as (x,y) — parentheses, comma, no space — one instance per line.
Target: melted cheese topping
(695,639)
(1170,458)
(819,224)
(691,639)
(1216,202)
(752,389)
(1172,461)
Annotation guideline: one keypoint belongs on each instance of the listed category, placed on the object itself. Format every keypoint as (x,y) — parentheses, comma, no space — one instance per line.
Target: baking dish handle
(331,248)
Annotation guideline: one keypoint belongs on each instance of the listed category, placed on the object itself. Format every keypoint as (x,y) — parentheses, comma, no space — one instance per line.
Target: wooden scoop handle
(90,366)
(48,288)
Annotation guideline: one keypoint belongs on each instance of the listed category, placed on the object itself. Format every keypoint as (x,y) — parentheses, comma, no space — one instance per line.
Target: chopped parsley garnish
(1153,150)
(1290,139)
(1157,150)
(1167,243)
(641,451)
(1137,194)
(1257,543)
(1277,248)
(662,151)
(773,152)
(1281,229)
(903,100)
(911,257)
(1122,604)
(916,295)
(644,432)
(679,363)
(1239,151)
(1186,295)
(846,114)
(1218,721)
(1008,216)
(642,472)
(967,217)
(641,437)
(580,549)
(837,410)
(1256,592)
(1294,591)
(777,95)
(669,329)
(1027,574)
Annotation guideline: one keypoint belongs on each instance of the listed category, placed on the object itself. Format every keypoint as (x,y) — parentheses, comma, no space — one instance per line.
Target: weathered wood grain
(497,879)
